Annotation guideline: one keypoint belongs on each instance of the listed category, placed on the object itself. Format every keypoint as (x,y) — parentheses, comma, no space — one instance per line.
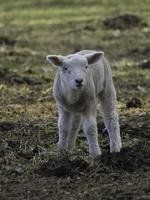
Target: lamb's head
(74,68)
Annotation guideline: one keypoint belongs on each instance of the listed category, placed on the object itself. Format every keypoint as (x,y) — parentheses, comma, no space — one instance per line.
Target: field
(31,167)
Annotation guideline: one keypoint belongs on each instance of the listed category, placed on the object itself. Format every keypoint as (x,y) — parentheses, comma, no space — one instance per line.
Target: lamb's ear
(94,57)
(54,59)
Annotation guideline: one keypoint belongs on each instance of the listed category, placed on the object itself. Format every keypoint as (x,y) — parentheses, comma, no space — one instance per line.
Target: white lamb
(83,78)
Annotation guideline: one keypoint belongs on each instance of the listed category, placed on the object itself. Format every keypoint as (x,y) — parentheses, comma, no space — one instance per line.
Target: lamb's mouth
(79,85)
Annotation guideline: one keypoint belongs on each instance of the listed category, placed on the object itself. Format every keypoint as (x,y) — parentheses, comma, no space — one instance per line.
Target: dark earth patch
(6,41)
(13,144)
(145,64)
(27,80)
(123,22)
(8,76)
(134,103)
(63,168)
(126,160)
(137,51)
(3,72)
(146,51)
(7,126)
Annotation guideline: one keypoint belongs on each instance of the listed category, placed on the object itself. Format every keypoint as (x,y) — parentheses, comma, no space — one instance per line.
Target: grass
(30,30)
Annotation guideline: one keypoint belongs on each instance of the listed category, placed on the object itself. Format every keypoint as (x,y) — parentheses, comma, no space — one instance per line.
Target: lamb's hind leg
(76,124)
(110,116)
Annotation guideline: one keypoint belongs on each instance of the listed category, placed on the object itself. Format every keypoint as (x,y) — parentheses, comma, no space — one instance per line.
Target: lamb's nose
(79,81)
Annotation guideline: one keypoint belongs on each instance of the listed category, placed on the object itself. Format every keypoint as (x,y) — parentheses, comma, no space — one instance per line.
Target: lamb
(82,79)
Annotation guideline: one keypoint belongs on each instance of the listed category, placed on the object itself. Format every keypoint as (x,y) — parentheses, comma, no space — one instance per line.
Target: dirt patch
(123,22)
(3,72)
(26,155)
(8,76)
(124,161)
(27,80)
(146,51)
(6,41)
(13,144)
(145,64)
(63,168)
(137,51)
(134,103)
(7,126)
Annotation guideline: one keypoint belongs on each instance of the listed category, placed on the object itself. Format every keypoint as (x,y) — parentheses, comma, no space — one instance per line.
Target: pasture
(30,165)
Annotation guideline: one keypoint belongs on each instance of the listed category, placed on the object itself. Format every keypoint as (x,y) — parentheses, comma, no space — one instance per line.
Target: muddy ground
(30,164)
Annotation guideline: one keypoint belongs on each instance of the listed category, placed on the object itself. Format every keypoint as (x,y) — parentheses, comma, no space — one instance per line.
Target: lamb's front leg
(64,126)
(110,116)
(76,123)
(90,130)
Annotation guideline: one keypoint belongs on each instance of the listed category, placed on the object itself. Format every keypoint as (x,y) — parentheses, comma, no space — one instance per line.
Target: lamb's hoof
(115,148)
(95,155)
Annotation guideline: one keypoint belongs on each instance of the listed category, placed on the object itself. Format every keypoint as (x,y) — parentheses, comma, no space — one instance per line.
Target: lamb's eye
(86,67)
(65,68)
